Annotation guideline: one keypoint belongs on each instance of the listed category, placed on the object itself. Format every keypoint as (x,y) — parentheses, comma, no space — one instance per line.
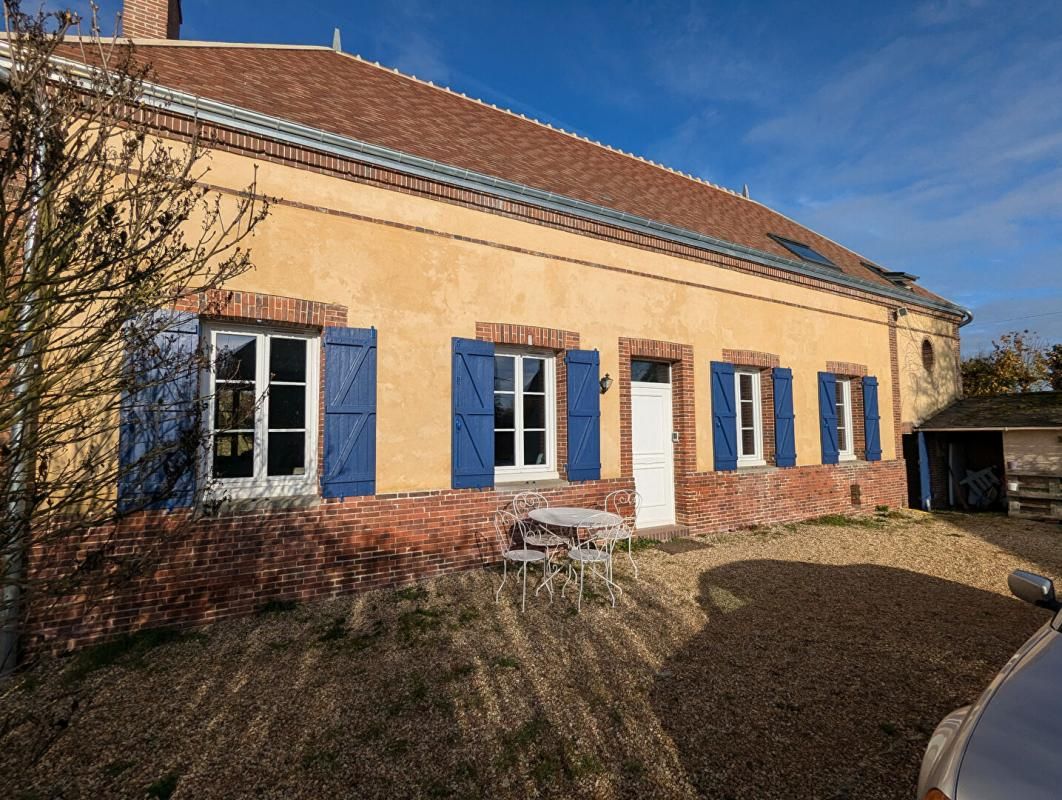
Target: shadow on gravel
(815,681)
(1033,541)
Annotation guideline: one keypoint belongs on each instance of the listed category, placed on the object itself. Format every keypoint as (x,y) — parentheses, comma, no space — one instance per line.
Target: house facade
(452,303)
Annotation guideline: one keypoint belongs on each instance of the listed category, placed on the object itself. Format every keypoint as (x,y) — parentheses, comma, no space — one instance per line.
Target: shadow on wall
(814,681)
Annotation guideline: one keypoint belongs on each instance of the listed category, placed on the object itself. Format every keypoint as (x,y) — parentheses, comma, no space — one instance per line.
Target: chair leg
(582,571)
(630,555)
(505,574)
(523,597)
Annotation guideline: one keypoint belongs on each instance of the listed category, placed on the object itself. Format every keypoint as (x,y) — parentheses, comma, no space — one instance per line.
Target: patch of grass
(396,748)
(467,616)
(506,662)
(336,630)
(845,521)
(283,644)
(164,787)
(418,621)
(116,768)
(638,543)
(129,649)
(633,768)
(883,510)
(887,728)
(276,606)
(415,593)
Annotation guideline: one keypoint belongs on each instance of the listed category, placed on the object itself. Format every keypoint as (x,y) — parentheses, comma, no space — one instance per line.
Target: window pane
(748,414)
(234,406)
(748,442)
(287,359)
(287,407)
(840,393)
(842,439)
(534,448)
(504,448)
(650,372)
(233,455)
(287,454)
(745,386)
(534,411)
(534,375)
(504,405)
(503,373)
(235,357)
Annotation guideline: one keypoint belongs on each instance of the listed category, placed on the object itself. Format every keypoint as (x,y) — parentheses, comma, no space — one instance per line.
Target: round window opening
(928,357)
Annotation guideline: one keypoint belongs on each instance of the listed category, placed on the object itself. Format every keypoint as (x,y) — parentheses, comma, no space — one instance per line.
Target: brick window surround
(254,308)
(555,339)
(855,373)
(680,356)
(765,362)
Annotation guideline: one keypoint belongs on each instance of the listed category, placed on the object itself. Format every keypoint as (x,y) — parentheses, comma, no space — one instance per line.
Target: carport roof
(1000,412)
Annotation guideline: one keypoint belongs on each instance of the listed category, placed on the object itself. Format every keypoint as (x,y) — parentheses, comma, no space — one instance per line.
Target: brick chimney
(151,19)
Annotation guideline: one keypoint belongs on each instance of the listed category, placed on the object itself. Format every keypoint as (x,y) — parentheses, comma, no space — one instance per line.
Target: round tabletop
(565,517)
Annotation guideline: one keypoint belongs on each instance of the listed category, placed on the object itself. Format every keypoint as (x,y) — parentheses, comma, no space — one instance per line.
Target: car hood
(1015,750)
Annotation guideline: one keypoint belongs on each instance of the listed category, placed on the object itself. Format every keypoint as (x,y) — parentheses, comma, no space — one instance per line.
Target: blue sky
(925,135)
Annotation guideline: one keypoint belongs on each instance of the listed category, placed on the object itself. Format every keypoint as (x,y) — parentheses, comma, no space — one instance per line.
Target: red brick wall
(183,571)
(717,501)
(151,19)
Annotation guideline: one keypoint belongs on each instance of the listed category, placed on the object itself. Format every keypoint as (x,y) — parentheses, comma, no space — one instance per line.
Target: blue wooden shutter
(871,419)
(349,412)
(473,417)
(159,425)
(724,416)
(828,417)
(584,415)
(784,434)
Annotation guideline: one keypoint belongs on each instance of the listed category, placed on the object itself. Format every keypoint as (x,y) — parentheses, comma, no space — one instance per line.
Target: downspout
(24,428)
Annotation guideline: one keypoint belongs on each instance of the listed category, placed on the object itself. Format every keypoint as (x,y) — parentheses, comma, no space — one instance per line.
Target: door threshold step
(663,533)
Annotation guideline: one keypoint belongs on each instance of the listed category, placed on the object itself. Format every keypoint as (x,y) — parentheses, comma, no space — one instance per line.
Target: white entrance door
(654,463)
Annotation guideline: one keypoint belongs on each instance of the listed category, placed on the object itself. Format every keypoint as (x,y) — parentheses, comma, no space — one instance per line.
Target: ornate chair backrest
(509,530)
(624,503)
(526,502)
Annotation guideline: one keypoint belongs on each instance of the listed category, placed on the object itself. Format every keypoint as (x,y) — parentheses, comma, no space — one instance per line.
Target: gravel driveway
(804,661)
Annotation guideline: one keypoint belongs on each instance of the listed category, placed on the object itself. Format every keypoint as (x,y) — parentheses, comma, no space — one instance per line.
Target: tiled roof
(1029,410)
(346,95)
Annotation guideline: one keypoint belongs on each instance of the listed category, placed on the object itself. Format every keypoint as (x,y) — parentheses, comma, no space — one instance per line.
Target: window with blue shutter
(349,412)
(871,419)
(584,415)
(828,417)
(159,426)
(784,433)
(472,448)
(724,416)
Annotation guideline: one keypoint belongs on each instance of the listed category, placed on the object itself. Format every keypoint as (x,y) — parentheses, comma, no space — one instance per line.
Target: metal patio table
(573,519)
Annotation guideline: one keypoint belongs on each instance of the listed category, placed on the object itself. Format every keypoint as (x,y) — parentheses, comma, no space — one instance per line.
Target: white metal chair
(586,552)
(624,503)
(538,535)
(510,532)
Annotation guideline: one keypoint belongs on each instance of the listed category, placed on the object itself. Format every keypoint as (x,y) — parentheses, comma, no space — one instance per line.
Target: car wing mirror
(1033,588)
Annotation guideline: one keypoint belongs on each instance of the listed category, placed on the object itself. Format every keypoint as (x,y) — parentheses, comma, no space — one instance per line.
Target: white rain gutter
(305,136)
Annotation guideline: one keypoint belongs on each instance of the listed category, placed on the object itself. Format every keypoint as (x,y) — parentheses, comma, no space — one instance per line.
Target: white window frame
(262,484)
(755,458)
(844,415)
(532,472)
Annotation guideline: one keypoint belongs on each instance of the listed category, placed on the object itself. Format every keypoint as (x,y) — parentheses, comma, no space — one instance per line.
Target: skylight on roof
(803,251)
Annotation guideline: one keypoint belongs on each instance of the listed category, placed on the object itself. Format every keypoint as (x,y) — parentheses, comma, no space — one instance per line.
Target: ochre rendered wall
(925,392)
(346,244)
